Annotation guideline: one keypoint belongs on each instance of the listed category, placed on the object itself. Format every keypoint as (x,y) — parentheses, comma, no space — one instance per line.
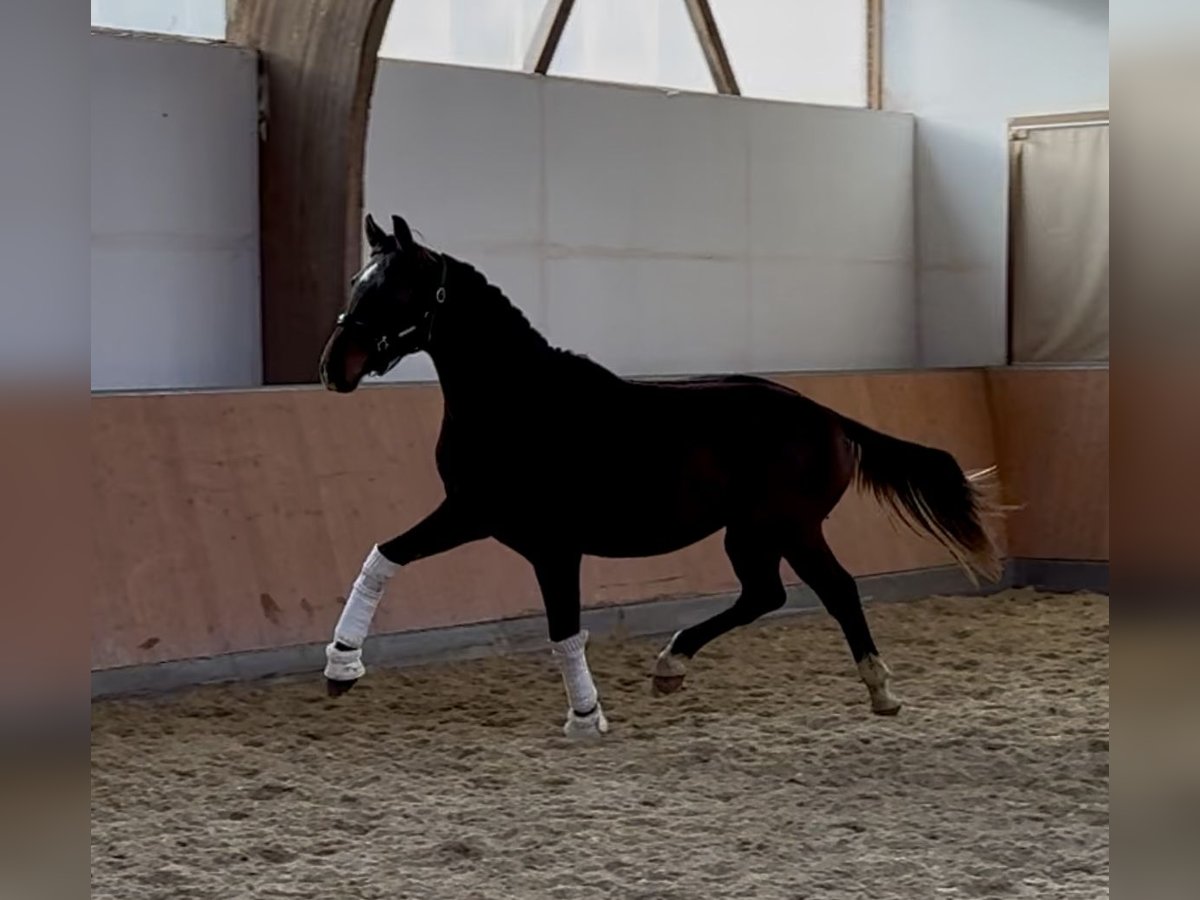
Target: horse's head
(389,314)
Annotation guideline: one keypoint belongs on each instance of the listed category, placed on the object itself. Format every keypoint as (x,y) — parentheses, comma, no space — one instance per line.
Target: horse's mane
(501,317)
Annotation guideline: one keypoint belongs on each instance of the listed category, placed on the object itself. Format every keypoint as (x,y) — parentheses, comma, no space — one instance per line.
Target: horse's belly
(648,538)
(651,518)
(611,499)
(600,517)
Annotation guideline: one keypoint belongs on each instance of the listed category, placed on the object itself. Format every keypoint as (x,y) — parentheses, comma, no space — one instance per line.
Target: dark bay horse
(556,457)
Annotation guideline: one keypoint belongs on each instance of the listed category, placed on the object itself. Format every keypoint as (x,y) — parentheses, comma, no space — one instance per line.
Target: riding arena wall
(231,523)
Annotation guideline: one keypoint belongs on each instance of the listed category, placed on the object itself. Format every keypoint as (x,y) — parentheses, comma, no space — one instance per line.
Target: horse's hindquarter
(680,461)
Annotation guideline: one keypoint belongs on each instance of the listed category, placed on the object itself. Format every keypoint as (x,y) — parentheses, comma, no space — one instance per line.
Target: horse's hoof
(888,710)
(670,669)
(336,688)
(661,685)
(589,727)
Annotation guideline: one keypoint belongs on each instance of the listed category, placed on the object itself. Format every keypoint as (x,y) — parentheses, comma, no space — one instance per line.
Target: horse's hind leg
(755,561)
(816,565)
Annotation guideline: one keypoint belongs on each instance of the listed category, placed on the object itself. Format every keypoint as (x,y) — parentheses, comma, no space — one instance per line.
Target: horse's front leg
(558,578)
(447,527)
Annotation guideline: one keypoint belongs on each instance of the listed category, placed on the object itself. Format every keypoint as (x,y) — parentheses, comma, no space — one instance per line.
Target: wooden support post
(547,34)
(874,54)
(318,60)
(709,36)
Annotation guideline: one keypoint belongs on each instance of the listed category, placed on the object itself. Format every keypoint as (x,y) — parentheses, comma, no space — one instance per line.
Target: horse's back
(736,428)
(709,382)
(637,467)
(744,403)
(710,451)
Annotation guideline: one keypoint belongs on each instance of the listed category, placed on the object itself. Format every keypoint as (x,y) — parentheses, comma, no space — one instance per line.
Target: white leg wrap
(343,665)
(875,675)
(581,690)
(355,620)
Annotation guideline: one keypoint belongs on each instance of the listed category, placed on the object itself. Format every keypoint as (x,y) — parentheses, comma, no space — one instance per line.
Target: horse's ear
(402,233)
(376,236)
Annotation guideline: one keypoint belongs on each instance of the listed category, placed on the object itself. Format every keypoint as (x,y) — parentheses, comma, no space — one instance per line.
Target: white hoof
(579,728)
(343,665)
(876,675)
(886,706)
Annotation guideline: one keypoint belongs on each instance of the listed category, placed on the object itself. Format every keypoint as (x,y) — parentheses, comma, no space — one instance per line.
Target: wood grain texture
(319,59)
(875,18)
(1052,445)
(237,520)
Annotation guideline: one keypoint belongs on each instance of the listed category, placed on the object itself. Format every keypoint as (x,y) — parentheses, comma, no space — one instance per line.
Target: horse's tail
(928,491)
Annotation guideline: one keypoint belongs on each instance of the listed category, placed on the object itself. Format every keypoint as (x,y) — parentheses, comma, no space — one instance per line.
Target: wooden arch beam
(317,64)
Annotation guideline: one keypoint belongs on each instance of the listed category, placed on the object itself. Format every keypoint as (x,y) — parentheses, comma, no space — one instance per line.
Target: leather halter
(384,342)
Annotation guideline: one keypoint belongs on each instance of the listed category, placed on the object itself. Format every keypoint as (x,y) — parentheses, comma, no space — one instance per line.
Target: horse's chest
(498,474)
(495,464)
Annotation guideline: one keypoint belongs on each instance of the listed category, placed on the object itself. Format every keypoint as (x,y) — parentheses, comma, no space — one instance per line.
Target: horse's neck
(484,351)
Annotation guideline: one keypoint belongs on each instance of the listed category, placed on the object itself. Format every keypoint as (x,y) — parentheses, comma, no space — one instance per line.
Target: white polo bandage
(355,620)
(343,665)
(581,690)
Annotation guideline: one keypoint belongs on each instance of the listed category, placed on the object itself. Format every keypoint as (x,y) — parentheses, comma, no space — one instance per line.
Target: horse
(556,457)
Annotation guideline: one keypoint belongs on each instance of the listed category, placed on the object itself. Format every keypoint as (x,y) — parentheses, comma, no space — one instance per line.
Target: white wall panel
(174,215)
(671,233)
(640,169)
(661,233)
